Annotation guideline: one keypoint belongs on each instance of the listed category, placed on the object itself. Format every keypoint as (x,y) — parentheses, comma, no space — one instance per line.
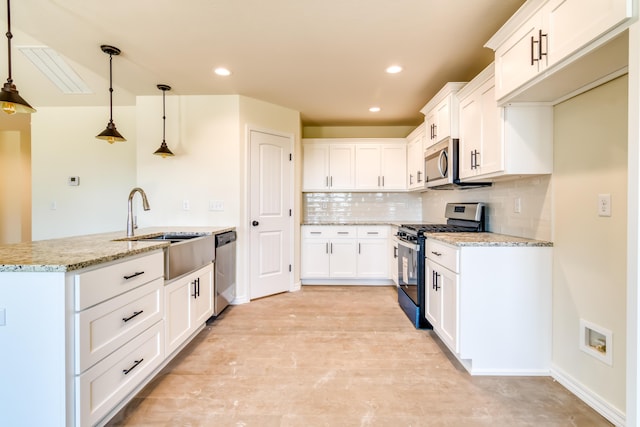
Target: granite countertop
(351,222)
(485,239)
(74,253)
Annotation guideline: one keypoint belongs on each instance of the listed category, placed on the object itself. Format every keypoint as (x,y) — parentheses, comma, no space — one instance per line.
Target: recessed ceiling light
(374,109)
(221,71)
(394,69)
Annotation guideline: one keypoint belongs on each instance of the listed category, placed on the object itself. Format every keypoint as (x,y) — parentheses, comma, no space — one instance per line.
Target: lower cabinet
(345,252)
(491,306)
(188,304)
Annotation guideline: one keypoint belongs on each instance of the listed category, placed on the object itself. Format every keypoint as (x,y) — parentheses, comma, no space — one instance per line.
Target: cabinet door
(517,60)
(491,157)
(443,120)
(415,164)
(470,135)
(368,176)
(343,260)
(449,286)
(342,166)
(571,24)
(433,297)
(372,259)
(315,259)
(203,301)
(393,166)
(393,256)
(430,126)
(177,298)
(315,169)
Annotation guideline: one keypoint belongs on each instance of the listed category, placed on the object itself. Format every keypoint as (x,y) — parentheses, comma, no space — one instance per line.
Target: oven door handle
(409,245)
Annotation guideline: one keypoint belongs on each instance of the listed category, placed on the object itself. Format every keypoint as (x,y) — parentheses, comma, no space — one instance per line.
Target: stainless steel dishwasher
(225,271)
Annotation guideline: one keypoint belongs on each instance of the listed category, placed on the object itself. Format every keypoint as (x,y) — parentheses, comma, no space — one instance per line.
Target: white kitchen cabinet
(329,252)
(501,142)
(372,260)
(381,167)
(543,34)
(345,253)
(415,158)
(491,305)
(441,114)
(328,166)
(188,304)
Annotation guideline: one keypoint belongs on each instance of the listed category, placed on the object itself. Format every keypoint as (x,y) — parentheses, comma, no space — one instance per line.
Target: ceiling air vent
(55,68)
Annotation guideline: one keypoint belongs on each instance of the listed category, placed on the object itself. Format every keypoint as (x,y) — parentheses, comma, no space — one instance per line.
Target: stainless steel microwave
(437,164)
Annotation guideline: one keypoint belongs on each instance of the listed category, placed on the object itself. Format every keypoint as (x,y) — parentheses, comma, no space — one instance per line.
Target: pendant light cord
(110,88)
(164,118)
(9,37)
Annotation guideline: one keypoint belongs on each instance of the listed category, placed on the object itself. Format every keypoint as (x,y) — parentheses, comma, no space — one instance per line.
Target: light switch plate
(216,205)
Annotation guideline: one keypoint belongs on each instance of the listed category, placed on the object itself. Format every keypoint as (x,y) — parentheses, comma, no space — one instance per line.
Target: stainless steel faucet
(145,206)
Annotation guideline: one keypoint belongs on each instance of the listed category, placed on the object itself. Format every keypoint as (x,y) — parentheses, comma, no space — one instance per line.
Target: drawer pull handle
(316,232)
(343,232)
(372,232)
(136,274)
(436,253)
(135,313)
(135,364)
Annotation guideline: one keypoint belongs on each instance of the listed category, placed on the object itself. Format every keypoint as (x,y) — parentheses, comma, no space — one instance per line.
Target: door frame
(246,215)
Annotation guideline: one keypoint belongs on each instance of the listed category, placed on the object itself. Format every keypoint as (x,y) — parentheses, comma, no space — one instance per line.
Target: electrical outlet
(604,204)
(517,205)
(216,205)
(185,205)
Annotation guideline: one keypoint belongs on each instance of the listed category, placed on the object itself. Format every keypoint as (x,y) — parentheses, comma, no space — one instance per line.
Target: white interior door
(270,213)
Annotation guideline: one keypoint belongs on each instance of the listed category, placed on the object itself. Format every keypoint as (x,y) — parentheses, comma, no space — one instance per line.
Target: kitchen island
(83,322)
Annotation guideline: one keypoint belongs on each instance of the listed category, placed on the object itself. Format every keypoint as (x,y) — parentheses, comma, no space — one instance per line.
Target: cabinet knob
(255,223)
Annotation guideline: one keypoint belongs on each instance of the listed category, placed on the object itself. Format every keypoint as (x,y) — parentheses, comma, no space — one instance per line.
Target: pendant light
(110,134)
(163,150)
(11,100)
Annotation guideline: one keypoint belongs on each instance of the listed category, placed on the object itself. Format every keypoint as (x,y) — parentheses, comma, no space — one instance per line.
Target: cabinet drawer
(103,328)
(373,232)
(343,231)
(445,255)
(329,231)
(95,286)
(315,231)
(103,386)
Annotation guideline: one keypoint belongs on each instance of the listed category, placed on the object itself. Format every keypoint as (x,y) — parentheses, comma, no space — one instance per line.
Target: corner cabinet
(491,306)
(545,36)
(354,164)
(502,142)
(345,253)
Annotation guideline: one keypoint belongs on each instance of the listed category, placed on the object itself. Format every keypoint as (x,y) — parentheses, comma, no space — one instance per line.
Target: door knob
(255,223)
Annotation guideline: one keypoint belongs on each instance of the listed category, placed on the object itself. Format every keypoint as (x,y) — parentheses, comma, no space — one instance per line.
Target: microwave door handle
(443,167)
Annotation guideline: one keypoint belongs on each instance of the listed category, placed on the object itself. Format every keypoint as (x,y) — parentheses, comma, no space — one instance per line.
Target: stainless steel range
(461,217)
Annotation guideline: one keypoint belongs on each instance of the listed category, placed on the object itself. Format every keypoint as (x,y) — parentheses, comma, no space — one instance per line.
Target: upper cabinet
(551,48)
(499,142)
(354,164)
(441,114)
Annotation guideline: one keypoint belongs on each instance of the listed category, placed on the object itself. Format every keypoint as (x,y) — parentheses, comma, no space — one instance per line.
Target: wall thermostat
(73,180)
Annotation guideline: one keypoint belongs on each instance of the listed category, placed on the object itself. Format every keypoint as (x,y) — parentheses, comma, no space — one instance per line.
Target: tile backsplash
(533,221)
(361,207)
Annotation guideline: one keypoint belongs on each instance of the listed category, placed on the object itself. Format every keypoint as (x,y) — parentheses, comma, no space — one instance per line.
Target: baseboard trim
(295,286)
(604,408)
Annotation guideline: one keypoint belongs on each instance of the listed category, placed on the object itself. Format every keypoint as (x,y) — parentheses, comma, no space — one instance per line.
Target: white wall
(533,221)
(63,144)
(589,275)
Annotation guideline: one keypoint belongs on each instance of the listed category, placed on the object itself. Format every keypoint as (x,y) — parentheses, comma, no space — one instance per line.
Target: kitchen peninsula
(85,321)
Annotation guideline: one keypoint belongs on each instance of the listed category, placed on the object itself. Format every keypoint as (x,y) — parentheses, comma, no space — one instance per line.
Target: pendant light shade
(110,134)
(164,149)
(10,99)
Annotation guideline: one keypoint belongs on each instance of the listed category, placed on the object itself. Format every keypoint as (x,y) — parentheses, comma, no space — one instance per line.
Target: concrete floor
(337,356)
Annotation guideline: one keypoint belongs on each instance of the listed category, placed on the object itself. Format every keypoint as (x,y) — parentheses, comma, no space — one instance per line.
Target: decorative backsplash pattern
(361,207)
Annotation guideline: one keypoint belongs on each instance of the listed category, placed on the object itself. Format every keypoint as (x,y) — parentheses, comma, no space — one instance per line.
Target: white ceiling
(324,58)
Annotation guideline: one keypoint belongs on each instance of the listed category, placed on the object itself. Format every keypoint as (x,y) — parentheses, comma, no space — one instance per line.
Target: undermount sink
(186,253)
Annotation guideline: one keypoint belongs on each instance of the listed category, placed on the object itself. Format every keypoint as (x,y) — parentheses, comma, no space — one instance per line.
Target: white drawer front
(373,231)
(445,255)
(105,327)
(95,286)
(315,231)
(343,231)
(101,388)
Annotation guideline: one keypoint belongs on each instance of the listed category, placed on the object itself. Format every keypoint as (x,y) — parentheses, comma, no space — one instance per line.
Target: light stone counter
(74,253)
(485,239)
